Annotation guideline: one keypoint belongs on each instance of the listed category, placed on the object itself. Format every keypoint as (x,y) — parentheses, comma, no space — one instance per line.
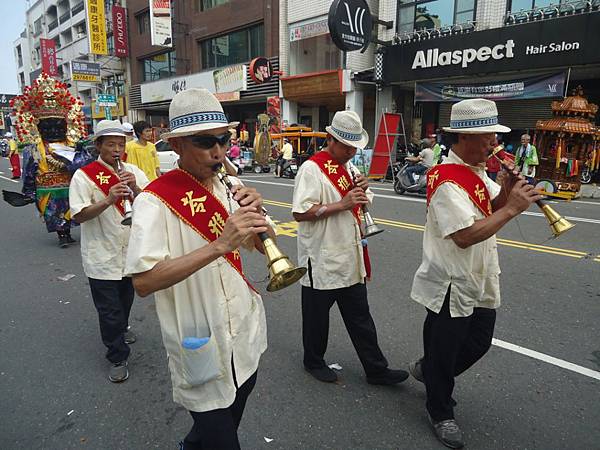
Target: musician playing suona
(186,233)
(96,197)
(458,279)
(326,205)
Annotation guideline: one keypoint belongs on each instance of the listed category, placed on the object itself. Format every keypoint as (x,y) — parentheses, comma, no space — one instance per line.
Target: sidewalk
(590,191)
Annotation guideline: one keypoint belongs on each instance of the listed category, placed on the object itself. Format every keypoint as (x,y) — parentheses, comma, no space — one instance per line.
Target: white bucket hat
(475,116)
(109,128)
(347,128)
(195,110)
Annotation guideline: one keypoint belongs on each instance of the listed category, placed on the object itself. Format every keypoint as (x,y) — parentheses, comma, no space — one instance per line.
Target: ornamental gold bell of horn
(282,273)
(558,224)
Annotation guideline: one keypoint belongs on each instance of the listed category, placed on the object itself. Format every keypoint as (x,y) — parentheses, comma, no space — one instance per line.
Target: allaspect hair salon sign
(567,41)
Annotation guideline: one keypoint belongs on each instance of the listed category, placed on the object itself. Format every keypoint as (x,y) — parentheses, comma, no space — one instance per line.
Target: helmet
(7,135)
(127,127)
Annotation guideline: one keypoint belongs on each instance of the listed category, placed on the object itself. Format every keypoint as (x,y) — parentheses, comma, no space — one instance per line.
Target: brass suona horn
(126,203)
(282,273)
(558,224)
(371,228)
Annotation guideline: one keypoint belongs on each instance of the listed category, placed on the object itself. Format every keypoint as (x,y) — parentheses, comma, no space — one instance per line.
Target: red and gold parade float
(566,143)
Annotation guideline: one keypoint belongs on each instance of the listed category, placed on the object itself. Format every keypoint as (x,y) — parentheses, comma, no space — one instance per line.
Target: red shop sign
(119,18)
(261,70)
(48,50)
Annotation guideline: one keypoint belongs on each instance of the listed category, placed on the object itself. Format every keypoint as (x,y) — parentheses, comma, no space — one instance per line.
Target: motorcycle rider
(422,162)
(286,154)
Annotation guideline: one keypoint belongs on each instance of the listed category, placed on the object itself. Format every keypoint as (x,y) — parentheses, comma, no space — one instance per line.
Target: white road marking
(9,179)
(547,359)
(422,200)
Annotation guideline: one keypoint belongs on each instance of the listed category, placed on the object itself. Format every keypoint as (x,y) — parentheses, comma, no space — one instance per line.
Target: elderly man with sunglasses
(186,233)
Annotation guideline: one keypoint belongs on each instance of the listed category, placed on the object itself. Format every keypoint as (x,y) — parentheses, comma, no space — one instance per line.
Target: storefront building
(447,50)
(317,78)
(214,44)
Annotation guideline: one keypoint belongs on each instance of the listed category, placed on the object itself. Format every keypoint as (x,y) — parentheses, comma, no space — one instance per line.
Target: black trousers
(113,300)
(451,346)
(217,429)
(354,308)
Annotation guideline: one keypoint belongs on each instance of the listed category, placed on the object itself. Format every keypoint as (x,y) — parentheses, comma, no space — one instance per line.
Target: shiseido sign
(563,42)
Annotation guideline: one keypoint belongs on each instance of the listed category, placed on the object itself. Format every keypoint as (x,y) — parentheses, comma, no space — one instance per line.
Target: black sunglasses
(207,141)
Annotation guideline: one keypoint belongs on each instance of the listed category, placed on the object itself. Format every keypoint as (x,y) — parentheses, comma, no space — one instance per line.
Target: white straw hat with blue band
(109,128)
(193,111)
(475,116)
(347,128)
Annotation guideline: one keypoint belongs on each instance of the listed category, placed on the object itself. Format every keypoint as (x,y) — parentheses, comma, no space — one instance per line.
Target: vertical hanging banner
(96,24)
(48,50)
(160,23)
(119,20)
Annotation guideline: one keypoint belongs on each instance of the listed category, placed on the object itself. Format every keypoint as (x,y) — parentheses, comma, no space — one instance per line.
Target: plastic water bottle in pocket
(200,361)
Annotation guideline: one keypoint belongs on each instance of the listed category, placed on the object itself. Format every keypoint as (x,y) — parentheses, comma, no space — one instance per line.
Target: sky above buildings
(13,23)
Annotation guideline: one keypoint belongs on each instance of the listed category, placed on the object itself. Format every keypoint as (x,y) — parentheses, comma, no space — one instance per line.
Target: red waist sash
(197,207)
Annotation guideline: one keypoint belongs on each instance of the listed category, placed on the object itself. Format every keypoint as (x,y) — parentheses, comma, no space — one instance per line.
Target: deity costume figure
(50,122)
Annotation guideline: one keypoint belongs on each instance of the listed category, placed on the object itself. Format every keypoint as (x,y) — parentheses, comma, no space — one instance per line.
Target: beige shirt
(103,239)
(214,302)
(473,271)
(331,247)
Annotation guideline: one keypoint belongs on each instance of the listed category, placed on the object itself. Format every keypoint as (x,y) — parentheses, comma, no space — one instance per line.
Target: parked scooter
(403,183)
(4,147)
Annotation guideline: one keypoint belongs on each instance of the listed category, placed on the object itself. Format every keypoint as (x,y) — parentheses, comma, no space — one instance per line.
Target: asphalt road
(56,395)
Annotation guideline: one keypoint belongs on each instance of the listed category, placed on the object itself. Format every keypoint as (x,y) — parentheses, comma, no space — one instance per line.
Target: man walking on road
(458,280)
(326,205)
(96,196)
(186,233)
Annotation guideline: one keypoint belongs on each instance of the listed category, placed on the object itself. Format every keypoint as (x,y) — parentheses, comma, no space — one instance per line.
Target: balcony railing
(52,25)
(66,16)
(552,11)
(77,8)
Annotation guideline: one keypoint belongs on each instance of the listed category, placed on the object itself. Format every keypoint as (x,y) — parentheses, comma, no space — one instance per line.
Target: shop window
(143,22)
(159,66)
(37,27)
(314,55)
(203,5)
(234,48)
(526,5)
(425,15)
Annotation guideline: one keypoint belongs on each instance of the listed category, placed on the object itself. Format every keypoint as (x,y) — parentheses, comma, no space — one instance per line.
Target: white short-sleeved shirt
(427,155)
(103,239)
(330,247)
(473,271)
(215,301)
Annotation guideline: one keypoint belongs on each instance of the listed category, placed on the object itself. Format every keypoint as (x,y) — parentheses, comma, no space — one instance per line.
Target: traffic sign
(106,100)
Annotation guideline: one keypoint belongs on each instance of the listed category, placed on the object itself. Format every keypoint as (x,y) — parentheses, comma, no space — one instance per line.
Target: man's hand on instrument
(247,196)
(117,192)
(521,196)
(362,181)
(242,223)
(508,176)
(128,178)
(355,197)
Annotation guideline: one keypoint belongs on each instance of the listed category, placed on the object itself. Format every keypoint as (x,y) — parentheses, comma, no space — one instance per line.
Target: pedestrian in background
(96,197)
(526,158)
(142,153)
(13,156)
